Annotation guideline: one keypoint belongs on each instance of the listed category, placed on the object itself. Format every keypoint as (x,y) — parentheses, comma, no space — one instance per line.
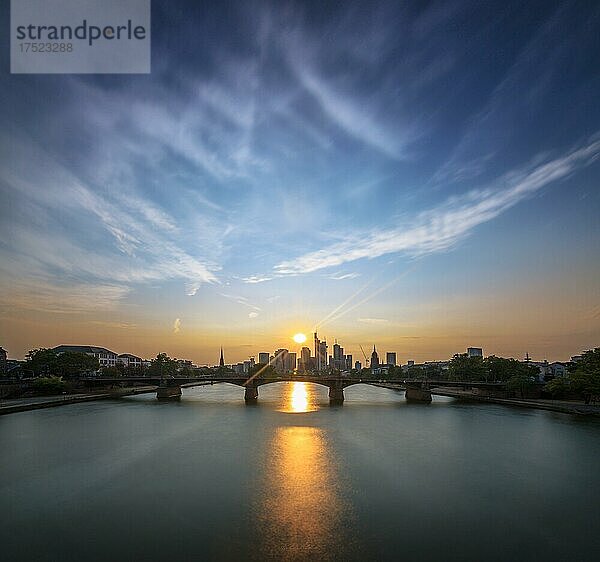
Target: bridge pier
(415,394)
(251,395)
(336,396)
(168,392)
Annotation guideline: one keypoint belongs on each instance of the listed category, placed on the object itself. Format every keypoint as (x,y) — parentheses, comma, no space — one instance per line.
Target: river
(295,479)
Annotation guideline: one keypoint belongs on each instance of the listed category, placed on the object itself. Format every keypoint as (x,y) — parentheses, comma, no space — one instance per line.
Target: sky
(423,176)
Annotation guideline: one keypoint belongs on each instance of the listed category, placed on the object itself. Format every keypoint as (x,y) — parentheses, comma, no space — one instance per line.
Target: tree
(163,366)
(414,372)
(187,371)
(117,370)
(465,368)
(71,363)
(558,387)
(68,364)
(49,385)
(520,382)
(501,370)
(41,361)
(584,375)
(589,362)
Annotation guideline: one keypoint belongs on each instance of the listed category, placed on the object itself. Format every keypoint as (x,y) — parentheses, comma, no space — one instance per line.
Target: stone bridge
(417,390)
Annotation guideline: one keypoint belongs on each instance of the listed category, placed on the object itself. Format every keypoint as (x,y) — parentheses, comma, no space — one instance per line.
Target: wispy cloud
(357,117)
(241,300)
(373,320)
(256,279)
(342,276)
(145,245)
(252,314)
(177,326)
(442,227)
(42,296)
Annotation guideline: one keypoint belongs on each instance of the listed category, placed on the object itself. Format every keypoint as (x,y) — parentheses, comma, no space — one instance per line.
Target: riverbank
(13,405)
(578,408)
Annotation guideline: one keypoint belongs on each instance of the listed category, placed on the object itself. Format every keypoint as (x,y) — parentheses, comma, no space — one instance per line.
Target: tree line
(45,362)
(583,379)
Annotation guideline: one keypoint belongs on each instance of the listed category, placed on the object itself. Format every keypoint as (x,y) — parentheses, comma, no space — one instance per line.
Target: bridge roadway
(417,390)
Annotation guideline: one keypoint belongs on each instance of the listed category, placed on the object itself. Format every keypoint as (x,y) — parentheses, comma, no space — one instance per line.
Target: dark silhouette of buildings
(374,360)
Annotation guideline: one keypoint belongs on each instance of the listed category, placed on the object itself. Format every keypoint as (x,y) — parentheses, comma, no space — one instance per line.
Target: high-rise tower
(221,359)
(374,360)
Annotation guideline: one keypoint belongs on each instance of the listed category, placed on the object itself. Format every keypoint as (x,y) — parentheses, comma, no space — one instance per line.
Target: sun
(299,338)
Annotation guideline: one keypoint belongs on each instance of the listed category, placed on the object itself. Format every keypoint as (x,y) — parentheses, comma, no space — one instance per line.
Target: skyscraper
(348,362)
(280,360)
(374,360)
(290,362)
(322,355)
(221,359)
(263,358)
(338,357)
(304,362)
(390,358)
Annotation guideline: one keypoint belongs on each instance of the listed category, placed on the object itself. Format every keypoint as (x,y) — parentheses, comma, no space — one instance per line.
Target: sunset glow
(299,338)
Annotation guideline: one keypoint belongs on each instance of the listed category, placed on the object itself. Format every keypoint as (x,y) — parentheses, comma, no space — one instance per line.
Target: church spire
(221,359)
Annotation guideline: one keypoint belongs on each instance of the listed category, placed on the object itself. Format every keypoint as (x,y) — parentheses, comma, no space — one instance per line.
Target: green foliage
(492,369)
(520,383)
(117,370)
(589,362)
(67,364)
(414,372)
(40,361)
(558,387)
(465,368)
(163,366)
(585,382)
(49,385)
(501,370)
(186,371)
(71,363)
(584,375)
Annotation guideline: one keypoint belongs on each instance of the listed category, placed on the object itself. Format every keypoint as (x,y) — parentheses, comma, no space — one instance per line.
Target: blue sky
(419,175)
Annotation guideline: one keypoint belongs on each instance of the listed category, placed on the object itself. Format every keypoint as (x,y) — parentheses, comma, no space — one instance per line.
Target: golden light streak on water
(302,510)
(299,398)
(299,402)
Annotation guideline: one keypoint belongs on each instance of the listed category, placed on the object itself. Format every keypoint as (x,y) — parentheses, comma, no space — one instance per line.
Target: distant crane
(364,355)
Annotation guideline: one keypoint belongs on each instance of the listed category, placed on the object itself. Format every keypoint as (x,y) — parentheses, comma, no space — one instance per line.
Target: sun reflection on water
(302,509)
(299,397)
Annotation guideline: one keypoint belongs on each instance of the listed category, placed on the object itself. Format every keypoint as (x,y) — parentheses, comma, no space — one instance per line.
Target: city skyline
(273,176)
(348,357)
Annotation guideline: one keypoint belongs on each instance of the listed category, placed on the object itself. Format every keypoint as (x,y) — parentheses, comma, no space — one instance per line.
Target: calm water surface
(295,479)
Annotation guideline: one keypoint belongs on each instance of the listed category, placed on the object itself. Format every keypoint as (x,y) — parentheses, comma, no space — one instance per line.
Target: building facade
(3,362)
(129,360)
(105,357)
